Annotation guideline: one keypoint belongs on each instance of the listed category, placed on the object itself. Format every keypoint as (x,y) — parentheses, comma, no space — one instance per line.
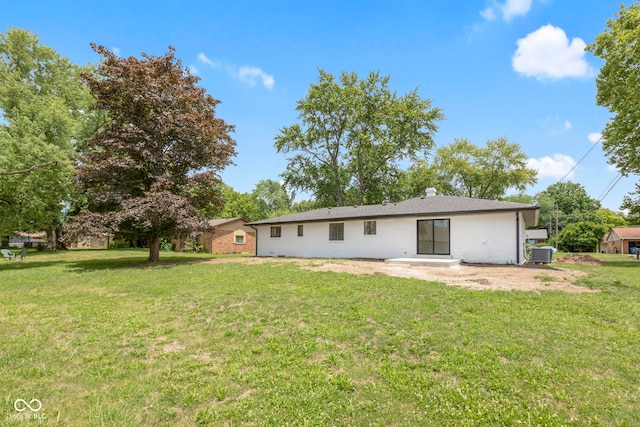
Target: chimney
(431,192)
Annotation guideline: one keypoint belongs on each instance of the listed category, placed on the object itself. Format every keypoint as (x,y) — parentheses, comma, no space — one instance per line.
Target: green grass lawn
(100,338)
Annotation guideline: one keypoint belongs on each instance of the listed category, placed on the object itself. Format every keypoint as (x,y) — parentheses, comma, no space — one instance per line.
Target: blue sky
(497,68)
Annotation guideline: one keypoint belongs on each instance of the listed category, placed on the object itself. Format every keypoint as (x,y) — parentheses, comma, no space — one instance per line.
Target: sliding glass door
(433,237)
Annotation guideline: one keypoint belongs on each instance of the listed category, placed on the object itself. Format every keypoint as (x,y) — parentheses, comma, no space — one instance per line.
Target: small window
(300,230)
(276,231)
(239,239)
(369,227)
(336,231)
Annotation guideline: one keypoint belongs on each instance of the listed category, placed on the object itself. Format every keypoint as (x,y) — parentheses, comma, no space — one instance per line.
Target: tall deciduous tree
(241,205)
(618,85)
(151,170)
(413,181)
(611,219)
(43,118)
(567,202)
(351,137)
(271,199)
(631,203)
(465,169)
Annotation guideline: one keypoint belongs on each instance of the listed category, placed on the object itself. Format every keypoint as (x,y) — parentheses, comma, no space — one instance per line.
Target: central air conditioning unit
(542,255)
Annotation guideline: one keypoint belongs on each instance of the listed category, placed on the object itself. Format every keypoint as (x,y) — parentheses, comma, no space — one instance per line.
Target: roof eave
(531,219)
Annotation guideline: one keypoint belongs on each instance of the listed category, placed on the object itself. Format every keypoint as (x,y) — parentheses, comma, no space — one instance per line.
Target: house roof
(37,235)
(418,206)
(538,234)
(222,221)
(627,233)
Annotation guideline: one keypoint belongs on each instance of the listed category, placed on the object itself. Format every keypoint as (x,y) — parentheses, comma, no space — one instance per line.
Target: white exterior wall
(488,238)
(478,238)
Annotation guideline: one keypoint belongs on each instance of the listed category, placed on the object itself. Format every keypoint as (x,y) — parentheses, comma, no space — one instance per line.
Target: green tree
(414,181)
(583,236)
(610,219)
(238,205)
(352,136)
(568,203)
(520,198)
(465,169)
(631,203)
(304,206)
(43,119)
(151,170)
(618,85)
(271,199)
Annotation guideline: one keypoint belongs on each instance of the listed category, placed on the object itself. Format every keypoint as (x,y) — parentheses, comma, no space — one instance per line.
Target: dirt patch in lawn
(580,259)
(528,277)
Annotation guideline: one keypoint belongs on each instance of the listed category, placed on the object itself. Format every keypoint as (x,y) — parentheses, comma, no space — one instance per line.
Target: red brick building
(229,236)
(621,241)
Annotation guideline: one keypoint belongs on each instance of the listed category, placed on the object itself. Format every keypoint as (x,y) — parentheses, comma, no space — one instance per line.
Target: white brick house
(471,230)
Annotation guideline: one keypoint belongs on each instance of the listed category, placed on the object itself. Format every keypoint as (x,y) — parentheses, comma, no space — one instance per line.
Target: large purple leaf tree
(152,170)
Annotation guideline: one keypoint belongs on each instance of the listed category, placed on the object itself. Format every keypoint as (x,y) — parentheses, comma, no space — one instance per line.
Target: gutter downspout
(518,237)
(256,254)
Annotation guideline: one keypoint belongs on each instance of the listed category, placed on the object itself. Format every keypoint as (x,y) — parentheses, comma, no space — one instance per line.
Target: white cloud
(567,125)
(203,58)
(489,13)
(508,10)
(555,167)
(594,137)
(249,75)
(512,8)
(246,74)
(547,54)
(193,70)
(116,51)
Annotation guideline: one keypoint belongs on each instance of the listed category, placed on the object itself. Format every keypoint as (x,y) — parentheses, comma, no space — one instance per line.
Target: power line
(611,188)
(585,155)
(608,187)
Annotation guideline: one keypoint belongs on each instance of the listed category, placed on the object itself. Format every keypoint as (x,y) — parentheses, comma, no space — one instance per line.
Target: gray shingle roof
(419,206)
(221,221)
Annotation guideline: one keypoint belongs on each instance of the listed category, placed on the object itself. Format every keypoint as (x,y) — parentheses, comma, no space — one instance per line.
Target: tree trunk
(154,249)
(53,239)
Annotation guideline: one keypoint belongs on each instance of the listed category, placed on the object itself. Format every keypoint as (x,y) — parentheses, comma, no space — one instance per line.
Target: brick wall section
(224,242)
(617,247)
(221,238)
(611,247)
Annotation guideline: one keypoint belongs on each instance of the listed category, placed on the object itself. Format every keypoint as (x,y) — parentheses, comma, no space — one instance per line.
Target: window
(369,227)
(276,231)
(300,230)
(433,237)
(336,231)
(238,237)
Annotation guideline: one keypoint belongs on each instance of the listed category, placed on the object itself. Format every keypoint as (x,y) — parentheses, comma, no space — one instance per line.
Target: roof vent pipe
(431,192)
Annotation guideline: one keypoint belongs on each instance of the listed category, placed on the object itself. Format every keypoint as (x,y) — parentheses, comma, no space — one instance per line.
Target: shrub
(581,236)
(166,245)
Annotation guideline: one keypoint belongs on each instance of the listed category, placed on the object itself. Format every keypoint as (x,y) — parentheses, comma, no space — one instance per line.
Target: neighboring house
(470,230)
(535,236)
(229,236)
(93,242)
(27,240)
(621,241)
